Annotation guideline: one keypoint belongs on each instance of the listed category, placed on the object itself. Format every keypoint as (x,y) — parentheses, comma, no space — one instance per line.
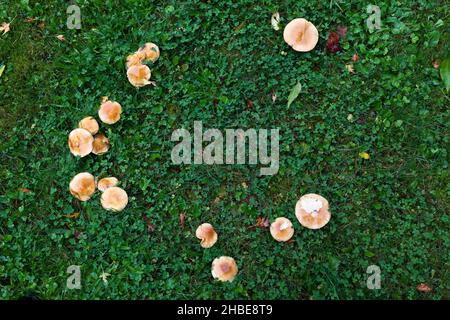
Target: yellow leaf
(2,68)
(73,215)
(364,155)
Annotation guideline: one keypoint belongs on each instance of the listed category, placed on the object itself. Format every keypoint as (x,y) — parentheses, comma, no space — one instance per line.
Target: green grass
(390,210)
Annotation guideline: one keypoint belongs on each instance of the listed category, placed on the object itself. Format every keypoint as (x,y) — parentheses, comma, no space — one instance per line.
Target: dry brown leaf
(262,222)
(24,190)
(182,219)
(72,215)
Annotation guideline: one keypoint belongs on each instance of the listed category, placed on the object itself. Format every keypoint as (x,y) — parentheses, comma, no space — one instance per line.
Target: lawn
(373,141)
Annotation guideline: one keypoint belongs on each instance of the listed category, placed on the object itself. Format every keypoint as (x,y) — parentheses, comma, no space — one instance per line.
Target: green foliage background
(390,210)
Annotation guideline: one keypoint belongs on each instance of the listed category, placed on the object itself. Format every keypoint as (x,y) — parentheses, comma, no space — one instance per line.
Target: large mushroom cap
(139,75)
(106,183)
(110,111)
(82,186)
(312,211)
(149,51)
(80,142)
(301,35)
(224,268)
(207,234)
(281,229)
(114,198)
(90,124)
(100,144)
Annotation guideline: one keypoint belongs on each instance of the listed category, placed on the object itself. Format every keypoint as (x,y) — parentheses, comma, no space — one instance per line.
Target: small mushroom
(207,234)
(149,51)
(90,124)
(224,269)
(134,59)
(106,183)
(82,186)
(301,35)
(100,144)
(109,111)
(312,211)
(114,198)
(80,142)
(139,75)
(281,229)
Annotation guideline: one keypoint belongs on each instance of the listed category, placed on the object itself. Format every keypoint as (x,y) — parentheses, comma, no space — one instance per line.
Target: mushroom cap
(301,35)
(82,186)
(224,269)
(312,211)
(114,198)
(106,183)
(134,59)
(110,111)
(90,124)
(80,142)
(139,75)
(207,234)
(100,144)
(149,51)
(281,229)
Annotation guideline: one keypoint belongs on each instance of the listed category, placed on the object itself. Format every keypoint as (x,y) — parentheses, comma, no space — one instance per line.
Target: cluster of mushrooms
(86,139)
(311,210)
(138,73)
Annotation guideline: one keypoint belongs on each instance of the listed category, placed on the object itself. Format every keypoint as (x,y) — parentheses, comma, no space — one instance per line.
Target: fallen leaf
(2,68)
(72,215)
(61,37)
(295,91)
(423,287)
(24,190)
(41,25)
(445,72)
(364,155)
(249,104)
(275,21)
(104,276)
(262,222)
(182,219)
(350,68)
(5,27)
(342,31)
(435,64)
(355,57)
(333,42)
(31,19)
(274,96)
(150,226)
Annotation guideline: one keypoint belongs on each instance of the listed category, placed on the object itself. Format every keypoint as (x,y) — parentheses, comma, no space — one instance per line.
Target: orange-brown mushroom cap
(207,234)
(301,35)
(134,59)
(281,229)
(90,124)
(80,142)
(106,183)
(224,269)
(100,144)
(110,111)
(149,51)
(115,199)
(312,211)
(139,75)
(82,186)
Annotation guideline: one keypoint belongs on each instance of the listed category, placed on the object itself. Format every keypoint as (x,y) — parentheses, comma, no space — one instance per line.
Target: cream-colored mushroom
(139,75)
(224,269)
(80,142)
(281,229)
(114,199)
(106,183)
(207,234)
(109,111)
(312,211)
(90,124)
(82,186)
(301,35)
(149,51)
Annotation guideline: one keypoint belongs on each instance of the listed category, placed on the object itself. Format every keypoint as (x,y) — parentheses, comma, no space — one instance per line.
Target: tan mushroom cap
(90,124)
(207,234)
(100,144)
(139,75)
(114,198)
(301,35)
(80,142)
(134,59)
(110,111)
(82,186)
(312,211)
(224,269)
(281,229)
(106,183)
(149,51)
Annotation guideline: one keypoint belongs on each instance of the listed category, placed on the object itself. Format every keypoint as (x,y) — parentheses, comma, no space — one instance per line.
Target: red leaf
(249,104)
(342,31)
(423,287)
(355,57)
(182,218)
(333,42)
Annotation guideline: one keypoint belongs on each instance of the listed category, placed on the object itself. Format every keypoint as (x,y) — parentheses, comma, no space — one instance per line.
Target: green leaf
(445,72)
(294,93)
(2,68)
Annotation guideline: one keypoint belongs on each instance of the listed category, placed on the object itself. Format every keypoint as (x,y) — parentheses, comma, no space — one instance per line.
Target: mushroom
(114,198)
(134,59)
(149,51)
(106,183)
(100,144)
(224,269)
(80,142)
(82,186)
(301,35)
(207,234)
(312,211)
(281,229)
(109,111)
(139,75)
(90,124)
